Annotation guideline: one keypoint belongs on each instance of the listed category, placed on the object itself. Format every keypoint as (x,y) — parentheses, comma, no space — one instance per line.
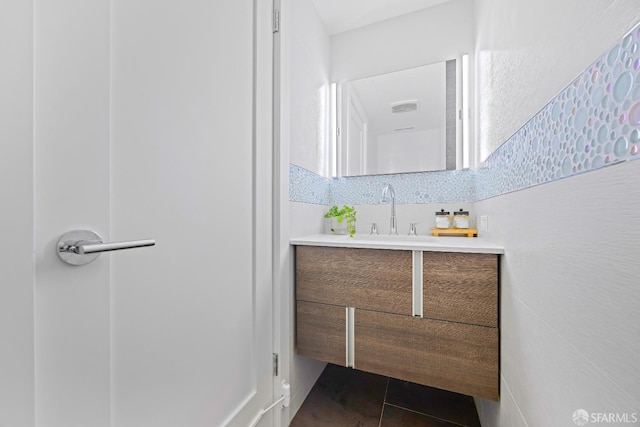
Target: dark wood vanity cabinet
(447,355)
(461,287)
(372,279)
(453,344)
(320,331)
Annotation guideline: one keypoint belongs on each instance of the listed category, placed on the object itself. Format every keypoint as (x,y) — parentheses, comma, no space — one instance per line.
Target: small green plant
(347,213)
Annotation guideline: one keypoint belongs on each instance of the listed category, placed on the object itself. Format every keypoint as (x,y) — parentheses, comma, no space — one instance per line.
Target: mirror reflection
(398,122)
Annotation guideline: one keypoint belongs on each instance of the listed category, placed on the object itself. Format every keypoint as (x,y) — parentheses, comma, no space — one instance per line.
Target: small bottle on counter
(461,219)
(443,219)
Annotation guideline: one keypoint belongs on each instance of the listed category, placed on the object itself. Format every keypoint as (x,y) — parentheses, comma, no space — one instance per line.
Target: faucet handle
(374,229)
(413,230)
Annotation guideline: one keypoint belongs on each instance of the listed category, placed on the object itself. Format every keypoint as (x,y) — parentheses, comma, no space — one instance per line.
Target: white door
(148,119)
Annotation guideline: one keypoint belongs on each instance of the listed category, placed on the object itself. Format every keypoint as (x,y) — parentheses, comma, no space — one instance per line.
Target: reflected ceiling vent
(404,106)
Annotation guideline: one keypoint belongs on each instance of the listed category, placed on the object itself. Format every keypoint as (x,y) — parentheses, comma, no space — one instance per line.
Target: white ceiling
(344,15)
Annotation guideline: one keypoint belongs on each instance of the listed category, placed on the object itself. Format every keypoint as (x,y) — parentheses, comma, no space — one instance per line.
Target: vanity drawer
(321,332)
(383,344)
(461,287)
(374,279)
(451,356)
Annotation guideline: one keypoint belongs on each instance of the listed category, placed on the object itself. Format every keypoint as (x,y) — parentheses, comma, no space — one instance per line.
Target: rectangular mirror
(403,121)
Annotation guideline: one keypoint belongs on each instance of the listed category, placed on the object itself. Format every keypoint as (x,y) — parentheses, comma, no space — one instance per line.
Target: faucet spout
(389,194)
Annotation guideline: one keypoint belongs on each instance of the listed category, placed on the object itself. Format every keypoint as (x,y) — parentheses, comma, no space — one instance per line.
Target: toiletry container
(461,219)
(443,219)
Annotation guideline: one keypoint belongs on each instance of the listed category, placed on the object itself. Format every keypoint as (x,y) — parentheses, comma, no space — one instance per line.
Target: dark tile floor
(345,397)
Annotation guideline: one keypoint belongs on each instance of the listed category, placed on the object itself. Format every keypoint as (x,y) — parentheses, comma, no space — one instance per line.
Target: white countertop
(414,243)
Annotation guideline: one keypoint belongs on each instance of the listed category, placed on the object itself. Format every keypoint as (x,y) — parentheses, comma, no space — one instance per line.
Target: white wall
(16,227)
(427,36)
(309,87)
(569,310)
(421,213)
(304,80)
(527,51)
(305,219)
(570,318)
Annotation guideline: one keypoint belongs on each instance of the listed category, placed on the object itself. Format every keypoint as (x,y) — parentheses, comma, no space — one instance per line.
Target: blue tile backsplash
(425,187)
(593,122)
(308,187)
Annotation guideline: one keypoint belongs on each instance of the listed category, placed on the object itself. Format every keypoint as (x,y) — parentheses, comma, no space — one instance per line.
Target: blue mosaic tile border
(424,187)
(592,123)
(308,187)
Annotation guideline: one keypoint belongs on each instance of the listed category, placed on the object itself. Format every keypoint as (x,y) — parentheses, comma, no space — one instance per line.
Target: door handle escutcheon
(80,247)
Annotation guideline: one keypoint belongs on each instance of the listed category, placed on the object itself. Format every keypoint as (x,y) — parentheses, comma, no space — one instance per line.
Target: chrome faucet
(388,193)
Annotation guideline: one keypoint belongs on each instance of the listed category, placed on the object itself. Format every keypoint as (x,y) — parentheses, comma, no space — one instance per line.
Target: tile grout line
(384,401)
(427,415)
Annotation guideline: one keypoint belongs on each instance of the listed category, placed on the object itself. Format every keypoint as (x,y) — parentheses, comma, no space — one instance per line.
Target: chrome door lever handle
(80,247)
(94,246)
